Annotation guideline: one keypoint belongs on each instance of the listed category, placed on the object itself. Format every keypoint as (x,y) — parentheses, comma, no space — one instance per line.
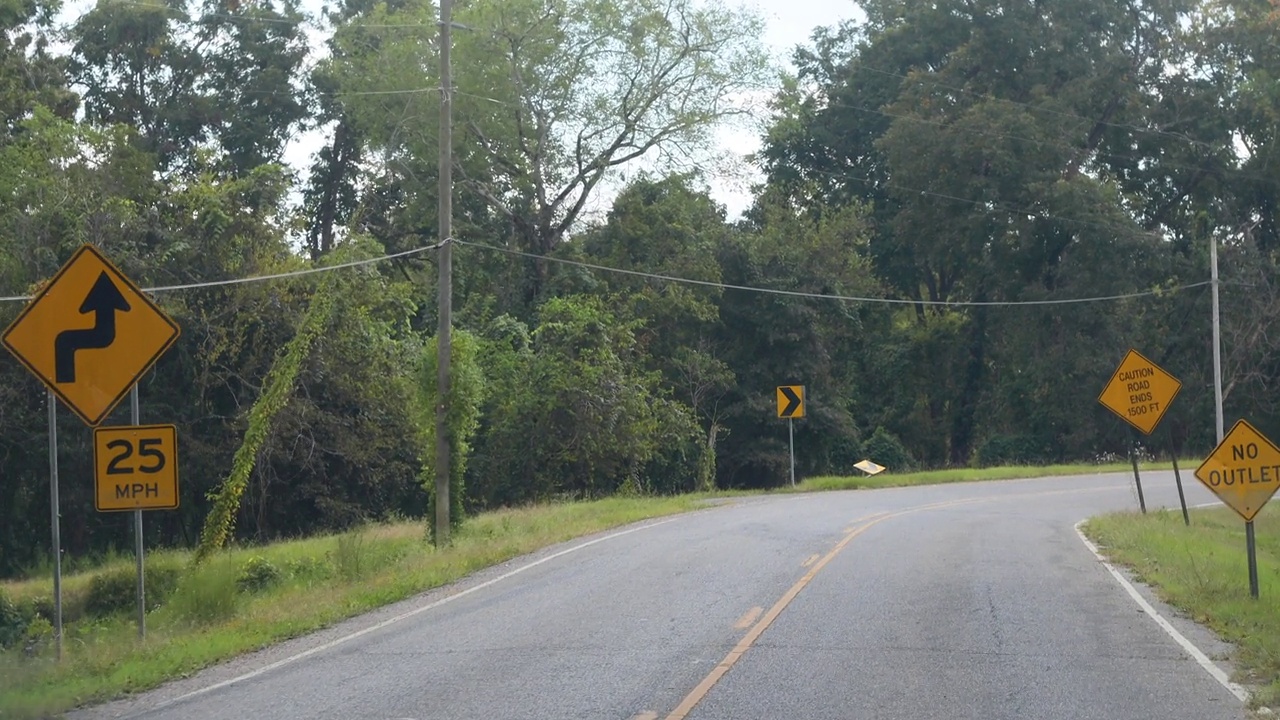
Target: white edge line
(391,621)
(1209,666)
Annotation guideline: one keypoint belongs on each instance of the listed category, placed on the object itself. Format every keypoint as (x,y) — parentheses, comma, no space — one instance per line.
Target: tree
(774,339)
(994,143)
(572,412)
(30,74)
(551,96)
(667,227)
(222,75)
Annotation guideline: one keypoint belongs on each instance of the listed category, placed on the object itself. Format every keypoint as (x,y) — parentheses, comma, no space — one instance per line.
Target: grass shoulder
(1202,570)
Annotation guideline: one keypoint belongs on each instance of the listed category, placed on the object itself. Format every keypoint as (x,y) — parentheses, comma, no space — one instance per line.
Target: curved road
(952,601)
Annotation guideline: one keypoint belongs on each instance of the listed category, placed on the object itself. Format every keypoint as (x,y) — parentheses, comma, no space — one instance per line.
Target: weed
(349,555)
(207,594)
(309,568)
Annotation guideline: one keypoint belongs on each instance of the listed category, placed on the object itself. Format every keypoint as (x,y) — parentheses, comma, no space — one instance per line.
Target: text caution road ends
(1243,471)
(791,401)
(1140,392)
(135,467)
(869,467)
(90,334)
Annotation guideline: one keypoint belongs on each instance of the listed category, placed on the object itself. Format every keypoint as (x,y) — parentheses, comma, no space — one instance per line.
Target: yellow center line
(810,560)
(646,715)
(748,617)
(696,695)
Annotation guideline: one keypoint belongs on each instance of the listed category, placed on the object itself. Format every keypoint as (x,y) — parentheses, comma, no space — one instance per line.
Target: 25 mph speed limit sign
(135,467)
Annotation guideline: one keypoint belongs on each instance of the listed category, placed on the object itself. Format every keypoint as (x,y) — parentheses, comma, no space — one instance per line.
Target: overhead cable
(845,298)
(273,276)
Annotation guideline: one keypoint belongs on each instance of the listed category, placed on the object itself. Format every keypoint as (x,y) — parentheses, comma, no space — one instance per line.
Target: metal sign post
(1251,549)
(1182,499)
(791,405)
(791,442)
(1133,457)
(53,505)
(137,533)
(1244,472)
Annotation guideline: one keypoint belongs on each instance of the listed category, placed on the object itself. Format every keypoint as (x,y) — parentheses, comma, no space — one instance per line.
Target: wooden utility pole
(444,332)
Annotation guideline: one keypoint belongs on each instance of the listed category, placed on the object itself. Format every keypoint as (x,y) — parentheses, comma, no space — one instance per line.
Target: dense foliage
(941,183)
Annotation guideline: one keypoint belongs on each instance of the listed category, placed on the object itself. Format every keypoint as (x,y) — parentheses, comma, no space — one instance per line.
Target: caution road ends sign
(1140,392)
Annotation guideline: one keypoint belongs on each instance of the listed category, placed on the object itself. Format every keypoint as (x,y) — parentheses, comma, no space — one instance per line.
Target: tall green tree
(550,97)
(31,73)
(221,75)
(995,143)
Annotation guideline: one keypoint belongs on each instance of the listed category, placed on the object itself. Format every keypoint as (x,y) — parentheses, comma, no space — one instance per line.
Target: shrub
(13,626)
(38,634)
(884,448)
(1010,450)
(308,568)
(258,573)
(115,590)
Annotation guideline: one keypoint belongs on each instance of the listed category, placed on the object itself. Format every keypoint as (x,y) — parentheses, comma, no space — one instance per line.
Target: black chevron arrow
(793,402)
(104,300)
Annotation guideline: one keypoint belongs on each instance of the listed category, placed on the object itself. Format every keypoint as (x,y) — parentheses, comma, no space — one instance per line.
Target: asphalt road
(955,601)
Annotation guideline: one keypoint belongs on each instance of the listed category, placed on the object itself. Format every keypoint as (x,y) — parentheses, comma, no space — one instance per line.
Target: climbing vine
(279,389)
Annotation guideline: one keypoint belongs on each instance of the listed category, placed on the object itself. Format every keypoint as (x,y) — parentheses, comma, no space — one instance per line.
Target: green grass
(248,598)
(1203,571)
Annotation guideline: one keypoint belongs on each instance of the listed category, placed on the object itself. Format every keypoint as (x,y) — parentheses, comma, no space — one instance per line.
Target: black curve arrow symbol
(793,402)
(104,300)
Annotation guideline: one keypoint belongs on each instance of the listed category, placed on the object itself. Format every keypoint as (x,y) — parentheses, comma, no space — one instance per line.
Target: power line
(822,296)
(264,278)
(656,276)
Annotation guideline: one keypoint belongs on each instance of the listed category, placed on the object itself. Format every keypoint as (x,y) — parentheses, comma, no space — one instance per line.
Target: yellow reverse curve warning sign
(90,334)
(790,401)
(1140,392)
(1243,471)
(135,467)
